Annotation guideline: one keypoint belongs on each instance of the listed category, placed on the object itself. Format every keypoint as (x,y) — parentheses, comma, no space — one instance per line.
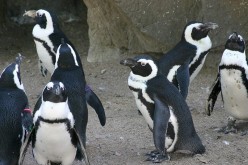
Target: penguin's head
(44,18)
(143,67)
(11,76)
(235,42)
(66,57)
(197,30)
(54,92)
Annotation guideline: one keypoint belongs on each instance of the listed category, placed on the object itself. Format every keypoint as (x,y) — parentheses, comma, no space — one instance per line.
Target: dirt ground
(126,138)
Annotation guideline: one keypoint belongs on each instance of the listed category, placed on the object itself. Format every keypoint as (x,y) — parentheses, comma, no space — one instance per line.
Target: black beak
(19,59)
(234,37)
(209,26)
(56,89)
(128,62)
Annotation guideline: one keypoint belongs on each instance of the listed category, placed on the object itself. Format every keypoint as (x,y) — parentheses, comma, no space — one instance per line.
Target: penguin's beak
(209,26)
(56,89)
(128,62)
(234,37)
(30,13)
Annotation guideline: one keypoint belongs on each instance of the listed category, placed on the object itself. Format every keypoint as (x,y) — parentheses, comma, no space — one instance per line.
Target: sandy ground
(126,138)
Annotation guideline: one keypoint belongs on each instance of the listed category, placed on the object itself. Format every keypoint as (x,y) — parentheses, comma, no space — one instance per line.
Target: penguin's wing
(82,147)
(183,78)
(37,105)
(161,119)
(216,88)
(96,104)
(24,147)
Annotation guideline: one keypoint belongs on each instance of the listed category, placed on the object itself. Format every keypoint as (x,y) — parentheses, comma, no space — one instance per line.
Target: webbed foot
(158,158)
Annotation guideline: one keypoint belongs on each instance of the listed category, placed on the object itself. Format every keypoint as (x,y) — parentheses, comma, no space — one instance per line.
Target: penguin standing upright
(54,139)
(47,37)
(232,82)
(68,71)
(15,115)
(182,63)
(163,108)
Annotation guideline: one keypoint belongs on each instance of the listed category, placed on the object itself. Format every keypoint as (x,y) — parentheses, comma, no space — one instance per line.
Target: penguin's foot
(158,158)
(152,153)
(231,127)
(243,133)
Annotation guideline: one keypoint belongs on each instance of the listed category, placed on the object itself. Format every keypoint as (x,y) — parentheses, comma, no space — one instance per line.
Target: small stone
(103,71)
(117,153)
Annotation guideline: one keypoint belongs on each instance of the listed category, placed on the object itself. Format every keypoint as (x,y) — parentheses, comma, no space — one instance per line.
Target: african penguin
(54,138)
(164,109)
(15,115)
(47,37)
(183,62)
(232,82)
(68,71)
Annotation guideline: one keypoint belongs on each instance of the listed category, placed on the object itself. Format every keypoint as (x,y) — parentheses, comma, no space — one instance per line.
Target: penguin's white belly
(44,56)
(169,143)
(234,94)
(53,142)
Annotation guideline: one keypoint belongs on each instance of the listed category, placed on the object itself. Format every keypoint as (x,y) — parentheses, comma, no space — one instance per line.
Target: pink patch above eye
(28,110)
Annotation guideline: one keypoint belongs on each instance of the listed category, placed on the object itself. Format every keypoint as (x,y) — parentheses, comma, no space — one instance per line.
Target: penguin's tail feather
(96,104)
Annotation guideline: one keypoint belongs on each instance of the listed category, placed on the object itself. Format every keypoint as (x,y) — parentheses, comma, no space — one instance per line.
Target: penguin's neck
(233,58)
(202,45)
(53,111)
(135,82)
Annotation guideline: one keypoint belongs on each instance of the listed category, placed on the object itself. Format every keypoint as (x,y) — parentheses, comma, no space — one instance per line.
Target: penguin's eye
(49,88)
(39,15)
(143,64)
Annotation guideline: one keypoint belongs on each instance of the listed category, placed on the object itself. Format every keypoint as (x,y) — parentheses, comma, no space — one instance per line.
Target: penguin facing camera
(54,137)
(15,115)
(164,109)
(232,82)
(47,36)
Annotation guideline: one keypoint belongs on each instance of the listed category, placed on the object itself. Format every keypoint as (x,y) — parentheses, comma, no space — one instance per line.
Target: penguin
(68,71)
(47,36)
(183,62)
(164,109)
(54,137)
(15,114)
(232,82)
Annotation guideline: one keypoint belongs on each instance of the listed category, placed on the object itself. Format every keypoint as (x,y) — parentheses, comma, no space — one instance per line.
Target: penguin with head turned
(15,115)
(232,82)
(164,109)
(183,62)
(47,36)
(54,137)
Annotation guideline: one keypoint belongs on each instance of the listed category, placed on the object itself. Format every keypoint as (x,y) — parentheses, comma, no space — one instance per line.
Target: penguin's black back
(187,136)
(181,54)
(12,103)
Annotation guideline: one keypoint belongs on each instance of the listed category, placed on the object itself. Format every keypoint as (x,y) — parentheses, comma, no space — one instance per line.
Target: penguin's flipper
(96,104)
(24,147)
(183,79)
(83,151)
(161,119)
(37,105)
(216,88)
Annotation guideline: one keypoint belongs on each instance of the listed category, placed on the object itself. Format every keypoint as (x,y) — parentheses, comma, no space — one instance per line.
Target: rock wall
(118,27)
(160,23)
